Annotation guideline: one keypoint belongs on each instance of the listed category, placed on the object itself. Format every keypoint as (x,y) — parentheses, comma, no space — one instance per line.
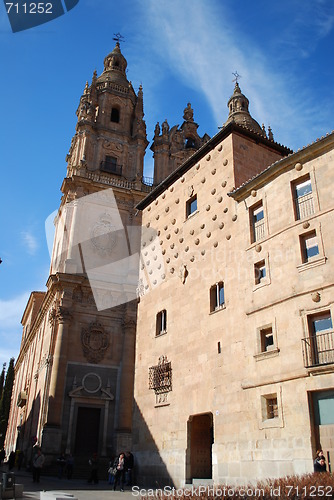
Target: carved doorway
(87,431)
(200,440)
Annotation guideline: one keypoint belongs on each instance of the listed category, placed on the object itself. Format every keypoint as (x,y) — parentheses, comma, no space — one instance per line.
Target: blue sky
(180,51)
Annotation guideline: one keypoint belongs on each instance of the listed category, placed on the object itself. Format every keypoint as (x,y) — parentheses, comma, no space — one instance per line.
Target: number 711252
(29,8)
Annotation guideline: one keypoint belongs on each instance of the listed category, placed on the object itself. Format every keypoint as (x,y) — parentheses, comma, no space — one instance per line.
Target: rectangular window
(272,407)
(267,339)
(161,324)
(303,197)
(269,404)
(191,206)
(217,296)
(257,223)
(309,246)
(260,272)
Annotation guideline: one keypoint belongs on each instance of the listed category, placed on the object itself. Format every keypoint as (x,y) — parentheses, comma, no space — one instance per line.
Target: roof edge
(280,165)
(207,147)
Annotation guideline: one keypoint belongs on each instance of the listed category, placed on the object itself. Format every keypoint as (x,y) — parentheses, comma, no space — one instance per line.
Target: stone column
(52,430)
(124,421)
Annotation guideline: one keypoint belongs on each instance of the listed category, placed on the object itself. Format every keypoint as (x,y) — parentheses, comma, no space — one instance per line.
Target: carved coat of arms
(95,342)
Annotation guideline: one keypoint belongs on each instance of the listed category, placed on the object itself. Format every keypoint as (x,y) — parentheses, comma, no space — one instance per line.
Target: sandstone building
(234,371)
(216,362)
(73,389)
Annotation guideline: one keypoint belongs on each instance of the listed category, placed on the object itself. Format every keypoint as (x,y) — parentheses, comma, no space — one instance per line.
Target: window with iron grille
(272,408)
(111,166)
(318,346)
(269,407)
(160,376)
(303,198)
(257,222)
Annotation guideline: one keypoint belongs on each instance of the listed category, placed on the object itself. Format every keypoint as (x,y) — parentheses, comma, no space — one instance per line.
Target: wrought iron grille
(318,349)
(111,167)
(304,206)
(160,376)
(259,230)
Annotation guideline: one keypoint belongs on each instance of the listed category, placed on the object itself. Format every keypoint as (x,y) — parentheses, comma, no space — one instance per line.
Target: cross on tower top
(237,76)
(118,37)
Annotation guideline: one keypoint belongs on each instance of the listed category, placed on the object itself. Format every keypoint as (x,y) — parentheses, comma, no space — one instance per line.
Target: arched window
(114,117)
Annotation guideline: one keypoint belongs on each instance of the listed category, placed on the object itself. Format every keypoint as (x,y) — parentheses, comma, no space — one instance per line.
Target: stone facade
(234,363)
(218,363)
(73,389)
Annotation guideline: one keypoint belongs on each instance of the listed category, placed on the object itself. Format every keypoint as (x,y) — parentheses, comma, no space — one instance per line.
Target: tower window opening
(190,143)
(114,117)
(111,166)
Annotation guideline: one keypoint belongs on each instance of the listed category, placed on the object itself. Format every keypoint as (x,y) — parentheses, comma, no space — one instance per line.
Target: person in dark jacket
(119,477)
(320,462)
(129,464)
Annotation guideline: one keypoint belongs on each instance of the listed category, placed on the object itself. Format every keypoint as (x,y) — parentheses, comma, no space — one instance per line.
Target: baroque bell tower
(89,310)
(111,131)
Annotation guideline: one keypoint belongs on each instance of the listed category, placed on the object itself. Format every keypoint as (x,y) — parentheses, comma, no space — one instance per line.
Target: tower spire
(238,109)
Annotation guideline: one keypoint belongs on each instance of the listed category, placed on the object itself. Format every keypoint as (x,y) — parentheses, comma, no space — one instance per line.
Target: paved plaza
(79,488)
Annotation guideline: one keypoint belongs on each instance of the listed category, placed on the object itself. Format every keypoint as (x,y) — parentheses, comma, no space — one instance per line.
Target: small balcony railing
(148,181)
(304,206)
(111,168)
(318,349)
(259,230)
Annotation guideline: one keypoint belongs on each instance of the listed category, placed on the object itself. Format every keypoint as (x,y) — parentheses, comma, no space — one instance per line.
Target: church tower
(171,147)
(74,374)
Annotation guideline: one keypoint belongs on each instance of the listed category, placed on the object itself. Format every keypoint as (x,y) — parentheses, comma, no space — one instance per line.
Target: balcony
(111,167)
(304,206)
(318,350)
(259,230)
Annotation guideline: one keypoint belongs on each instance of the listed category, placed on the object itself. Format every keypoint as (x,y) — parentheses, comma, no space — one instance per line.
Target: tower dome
(239,113)
(114,67)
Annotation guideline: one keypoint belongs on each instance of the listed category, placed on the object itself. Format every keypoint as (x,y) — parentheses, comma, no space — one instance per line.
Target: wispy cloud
(30,242)
(203,46)
(305,29)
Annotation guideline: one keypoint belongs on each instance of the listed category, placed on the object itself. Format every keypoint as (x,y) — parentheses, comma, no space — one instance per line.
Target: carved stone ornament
(103,235)
(52,315)
(111,146)
(63,314)
(316,297)
(95,342)
(140,290)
